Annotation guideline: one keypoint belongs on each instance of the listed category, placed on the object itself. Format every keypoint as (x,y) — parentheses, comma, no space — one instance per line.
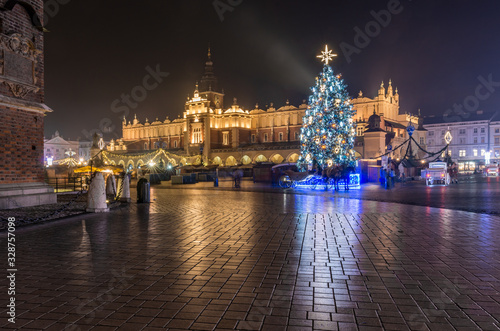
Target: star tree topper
(326,55)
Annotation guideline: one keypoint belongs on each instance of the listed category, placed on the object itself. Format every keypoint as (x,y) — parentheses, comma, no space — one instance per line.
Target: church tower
(22,106)
(209,87)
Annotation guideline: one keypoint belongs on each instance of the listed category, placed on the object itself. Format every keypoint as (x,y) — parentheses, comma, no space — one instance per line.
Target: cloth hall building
(209,133)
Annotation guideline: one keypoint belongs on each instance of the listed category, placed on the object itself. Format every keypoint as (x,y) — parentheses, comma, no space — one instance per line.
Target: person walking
(388,177)
(454,172)
(401,169)
(392,175)
(382,177)
(450,172)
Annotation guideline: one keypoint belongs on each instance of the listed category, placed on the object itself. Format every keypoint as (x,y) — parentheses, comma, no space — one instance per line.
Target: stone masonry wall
(21,130)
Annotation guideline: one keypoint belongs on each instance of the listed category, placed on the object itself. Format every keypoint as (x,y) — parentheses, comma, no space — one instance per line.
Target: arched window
(261,158)
(231,161)
(217,160)
(246,160)
(277,158)
(293,158)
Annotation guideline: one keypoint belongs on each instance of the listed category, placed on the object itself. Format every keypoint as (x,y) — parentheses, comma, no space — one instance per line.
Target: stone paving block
(325,325)
(188,260)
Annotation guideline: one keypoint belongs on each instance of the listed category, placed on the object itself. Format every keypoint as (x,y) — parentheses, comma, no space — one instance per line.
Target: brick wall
(21,131)
(21,150)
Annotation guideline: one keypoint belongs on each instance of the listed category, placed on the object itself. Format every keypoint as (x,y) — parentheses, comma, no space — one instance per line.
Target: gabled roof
(257,111)
(287,107)
(57,141)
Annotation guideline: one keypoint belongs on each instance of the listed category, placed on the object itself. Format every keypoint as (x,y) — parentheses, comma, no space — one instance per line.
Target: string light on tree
(327,137)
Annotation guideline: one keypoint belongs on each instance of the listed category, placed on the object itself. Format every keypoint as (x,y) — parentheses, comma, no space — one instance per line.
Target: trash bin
(216,182)
(143,191)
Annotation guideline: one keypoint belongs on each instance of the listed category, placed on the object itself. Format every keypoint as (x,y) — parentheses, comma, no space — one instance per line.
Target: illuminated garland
(145,157)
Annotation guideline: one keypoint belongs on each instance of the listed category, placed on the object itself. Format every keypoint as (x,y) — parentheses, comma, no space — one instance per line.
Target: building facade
(475,139)
(381,127)
(235,136)
(22,107)
(57,148)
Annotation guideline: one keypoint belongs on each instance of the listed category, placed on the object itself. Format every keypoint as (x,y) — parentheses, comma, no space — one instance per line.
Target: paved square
(206,260)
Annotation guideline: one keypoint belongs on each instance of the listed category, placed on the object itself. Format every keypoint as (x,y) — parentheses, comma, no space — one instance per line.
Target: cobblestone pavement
(203,260)
(475,193)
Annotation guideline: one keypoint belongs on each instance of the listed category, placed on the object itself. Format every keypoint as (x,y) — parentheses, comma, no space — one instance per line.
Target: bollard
(96,201)
(143,191)
(125,190)
(111,185)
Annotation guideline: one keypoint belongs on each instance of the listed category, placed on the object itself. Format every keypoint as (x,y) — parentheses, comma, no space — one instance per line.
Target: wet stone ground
(206,259)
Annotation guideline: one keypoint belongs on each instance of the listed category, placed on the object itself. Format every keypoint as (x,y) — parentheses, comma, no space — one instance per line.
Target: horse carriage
(436,174)
(329,178)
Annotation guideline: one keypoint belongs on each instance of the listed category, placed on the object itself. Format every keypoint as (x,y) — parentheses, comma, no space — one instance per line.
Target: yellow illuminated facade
(230,136)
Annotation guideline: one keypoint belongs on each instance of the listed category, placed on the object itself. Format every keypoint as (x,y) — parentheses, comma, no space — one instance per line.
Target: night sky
(263,51)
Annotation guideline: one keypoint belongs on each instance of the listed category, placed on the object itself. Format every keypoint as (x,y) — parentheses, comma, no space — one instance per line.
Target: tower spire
(208,80)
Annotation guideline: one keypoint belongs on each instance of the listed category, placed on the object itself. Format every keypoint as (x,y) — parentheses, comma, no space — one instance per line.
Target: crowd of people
(389,174)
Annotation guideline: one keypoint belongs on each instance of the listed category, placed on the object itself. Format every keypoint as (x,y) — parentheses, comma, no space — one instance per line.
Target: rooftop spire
(208,80)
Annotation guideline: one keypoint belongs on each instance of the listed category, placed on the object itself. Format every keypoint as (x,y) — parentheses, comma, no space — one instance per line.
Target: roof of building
(395,125)
(58,140)
(287,106)
(464,117)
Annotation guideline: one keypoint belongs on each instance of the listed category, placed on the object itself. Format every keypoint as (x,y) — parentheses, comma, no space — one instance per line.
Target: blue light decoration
(328,131)
(316,182)
(410,129)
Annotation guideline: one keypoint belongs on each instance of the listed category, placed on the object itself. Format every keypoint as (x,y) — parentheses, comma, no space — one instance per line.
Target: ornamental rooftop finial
(326,55)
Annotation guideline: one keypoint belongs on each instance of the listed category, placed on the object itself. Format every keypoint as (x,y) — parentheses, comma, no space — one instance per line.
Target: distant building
(57,148)
(473,137)
(382,127)
(84,150)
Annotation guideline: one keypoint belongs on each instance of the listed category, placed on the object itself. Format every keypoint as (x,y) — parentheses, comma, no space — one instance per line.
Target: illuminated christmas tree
(327,134)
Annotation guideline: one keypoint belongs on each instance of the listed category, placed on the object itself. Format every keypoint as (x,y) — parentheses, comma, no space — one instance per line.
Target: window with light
(197,138)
